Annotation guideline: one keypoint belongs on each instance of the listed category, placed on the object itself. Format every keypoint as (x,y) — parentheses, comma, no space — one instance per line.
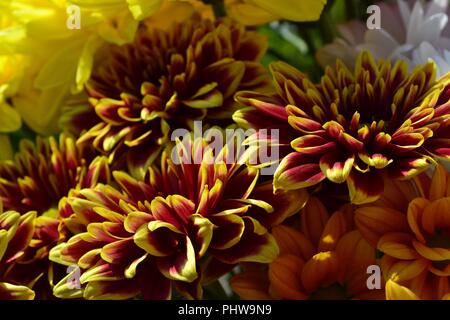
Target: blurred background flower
(11,70)
(60,59)
(411,30)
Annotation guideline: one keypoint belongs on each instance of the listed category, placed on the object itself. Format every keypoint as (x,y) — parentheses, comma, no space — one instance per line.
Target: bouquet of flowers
(224,149)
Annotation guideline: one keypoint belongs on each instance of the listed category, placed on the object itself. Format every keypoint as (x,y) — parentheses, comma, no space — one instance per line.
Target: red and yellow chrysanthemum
(16,232)
(322,258)
(37,179)
(166,80)
(353,127)
(183,226)
(410,225)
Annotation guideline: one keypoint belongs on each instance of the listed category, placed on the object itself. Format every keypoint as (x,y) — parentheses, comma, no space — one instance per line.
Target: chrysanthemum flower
(183,226)
(165,81)
(11,67)
(61,54)
(323,258)
(16,232)
(410,224)
(39,177)
(415,33)
(354,127)
(59,59)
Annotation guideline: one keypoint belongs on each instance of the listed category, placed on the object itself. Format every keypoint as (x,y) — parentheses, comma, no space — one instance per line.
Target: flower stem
(328,28)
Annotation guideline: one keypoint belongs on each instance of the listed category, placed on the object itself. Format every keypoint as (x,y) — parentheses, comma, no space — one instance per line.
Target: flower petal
(395,291)
(296,171)
(364,187)
(182,266)
(336,168)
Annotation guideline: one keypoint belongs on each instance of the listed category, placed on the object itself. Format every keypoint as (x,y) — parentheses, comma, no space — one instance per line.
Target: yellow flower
(255,12)
(10,73)
(117,20)
(61,58)
(410,225)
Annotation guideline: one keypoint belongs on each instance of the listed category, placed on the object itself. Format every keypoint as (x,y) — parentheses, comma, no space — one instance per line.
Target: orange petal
(251,285)
(320,271)
(397,194)
(357,255)
(374,221)
(314,217)
(285,277)
(402,270)
(414,215)
(398,245)
(434,254)
(290,241)
(438,188)
(436,215)
(395,291)
(335,228)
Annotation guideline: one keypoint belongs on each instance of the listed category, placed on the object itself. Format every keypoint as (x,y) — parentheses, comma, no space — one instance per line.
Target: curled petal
(334,168)
(159,241)
(256,245)
(297,171)
(395,291)
(398,245)
(13,292)
(402,270)
(364,188)
(376,160)
(111,290)
(374,221)
(182,266)
(321,270)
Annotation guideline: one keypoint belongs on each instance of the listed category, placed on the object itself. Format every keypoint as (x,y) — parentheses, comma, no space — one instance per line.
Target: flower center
(440,239)
(333,292)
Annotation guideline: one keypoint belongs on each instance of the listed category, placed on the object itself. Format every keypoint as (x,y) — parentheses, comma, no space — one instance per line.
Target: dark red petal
(365,187)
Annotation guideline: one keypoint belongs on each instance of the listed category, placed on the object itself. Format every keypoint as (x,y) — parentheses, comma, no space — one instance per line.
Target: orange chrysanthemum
(322,259)
(410,224)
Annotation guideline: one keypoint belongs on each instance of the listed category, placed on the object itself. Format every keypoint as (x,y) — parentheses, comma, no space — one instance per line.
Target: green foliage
(17,136)
(297,43)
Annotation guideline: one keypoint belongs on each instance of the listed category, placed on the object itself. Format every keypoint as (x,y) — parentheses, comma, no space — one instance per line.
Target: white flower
(410,30)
